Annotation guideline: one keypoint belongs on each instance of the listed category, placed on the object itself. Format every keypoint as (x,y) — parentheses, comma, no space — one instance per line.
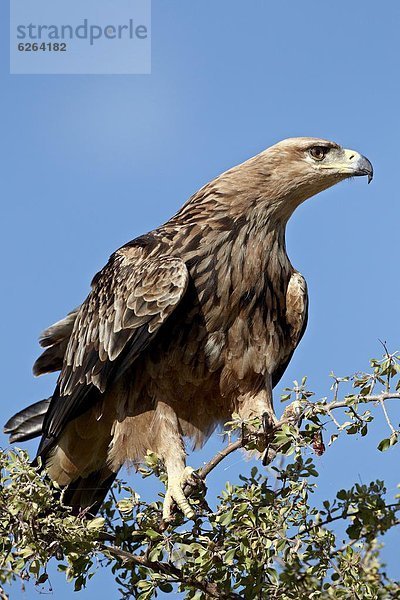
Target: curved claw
(175,495)
(268,421)
(268,455)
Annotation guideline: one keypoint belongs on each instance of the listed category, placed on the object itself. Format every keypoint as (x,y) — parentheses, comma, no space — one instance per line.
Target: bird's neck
(235,218)
(241,249)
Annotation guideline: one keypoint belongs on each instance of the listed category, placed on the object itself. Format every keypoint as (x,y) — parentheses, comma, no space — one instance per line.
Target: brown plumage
(184,326)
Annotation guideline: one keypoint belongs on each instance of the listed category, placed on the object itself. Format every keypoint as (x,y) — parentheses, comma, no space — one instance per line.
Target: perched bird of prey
(184,326)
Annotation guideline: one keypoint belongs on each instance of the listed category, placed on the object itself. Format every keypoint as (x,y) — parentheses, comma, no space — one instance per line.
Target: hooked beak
(357,165)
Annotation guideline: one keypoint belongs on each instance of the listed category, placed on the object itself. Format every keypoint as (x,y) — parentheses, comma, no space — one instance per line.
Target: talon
(193,478)
(268,455)
(267,421)
(264,458)
(243,432)
(175,495)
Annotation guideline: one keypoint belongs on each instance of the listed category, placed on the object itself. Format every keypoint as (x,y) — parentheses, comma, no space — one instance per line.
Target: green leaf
(153,535)
(42,579)
(353,531)
(285,397)
(145,584)
(229,556)
(226,518)
(384,444)
(167,588)
(273,575)
(96,523)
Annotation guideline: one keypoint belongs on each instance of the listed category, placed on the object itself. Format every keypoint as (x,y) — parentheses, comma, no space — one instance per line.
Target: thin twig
(355,415)
(388,421)
(219,457)
(328,410)
(364,399)
(3,595)
(344,515)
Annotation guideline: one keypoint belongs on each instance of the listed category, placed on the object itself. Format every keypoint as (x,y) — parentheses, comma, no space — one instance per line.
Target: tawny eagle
(184,326)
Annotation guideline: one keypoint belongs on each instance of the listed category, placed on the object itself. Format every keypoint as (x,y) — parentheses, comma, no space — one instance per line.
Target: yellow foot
(175,494)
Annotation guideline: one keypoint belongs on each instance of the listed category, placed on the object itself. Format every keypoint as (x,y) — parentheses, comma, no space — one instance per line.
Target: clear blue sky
(89,162)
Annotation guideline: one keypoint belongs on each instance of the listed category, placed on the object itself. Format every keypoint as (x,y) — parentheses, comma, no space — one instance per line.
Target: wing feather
(55,341)
(130,300)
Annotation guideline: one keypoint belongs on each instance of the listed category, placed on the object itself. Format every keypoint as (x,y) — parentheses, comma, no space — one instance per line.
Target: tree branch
(388,421)
(344,515)
(169,569)
(208,467)
(364,399)
(211,589)
(325,408)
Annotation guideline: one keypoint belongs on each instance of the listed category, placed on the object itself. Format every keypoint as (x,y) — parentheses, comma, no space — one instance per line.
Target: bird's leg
(168,444)
(178,478)
(259,406)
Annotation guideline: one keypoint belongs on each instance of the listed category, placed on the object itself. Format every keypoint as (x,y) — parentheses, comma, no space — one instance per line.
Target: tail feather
(85,494)
(27,424)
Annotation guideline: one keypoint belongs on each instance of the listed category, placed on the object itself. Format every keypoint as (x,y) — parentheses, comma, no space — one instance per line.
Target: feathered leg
(168,444)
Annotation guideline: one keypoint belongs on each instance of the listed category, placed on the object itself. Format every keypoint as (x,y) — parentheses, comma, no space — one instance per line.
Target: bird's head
(280,178)
(272,184)
(317,160)
(298,168)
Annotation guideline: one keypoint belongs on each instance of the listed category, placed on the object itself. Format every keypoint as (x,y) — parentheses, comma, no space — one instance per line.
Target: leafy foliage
(266,538)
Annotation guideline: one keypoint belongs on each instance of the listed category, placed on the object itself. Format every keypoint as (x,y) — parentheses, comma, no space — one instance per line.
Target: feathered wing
(28,422)
(55,341)
(130,299)
(297,317)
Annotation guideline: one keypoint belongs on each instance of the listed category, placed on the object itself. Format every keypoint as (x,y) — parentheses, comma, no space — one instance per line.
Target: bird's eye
(319,152)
